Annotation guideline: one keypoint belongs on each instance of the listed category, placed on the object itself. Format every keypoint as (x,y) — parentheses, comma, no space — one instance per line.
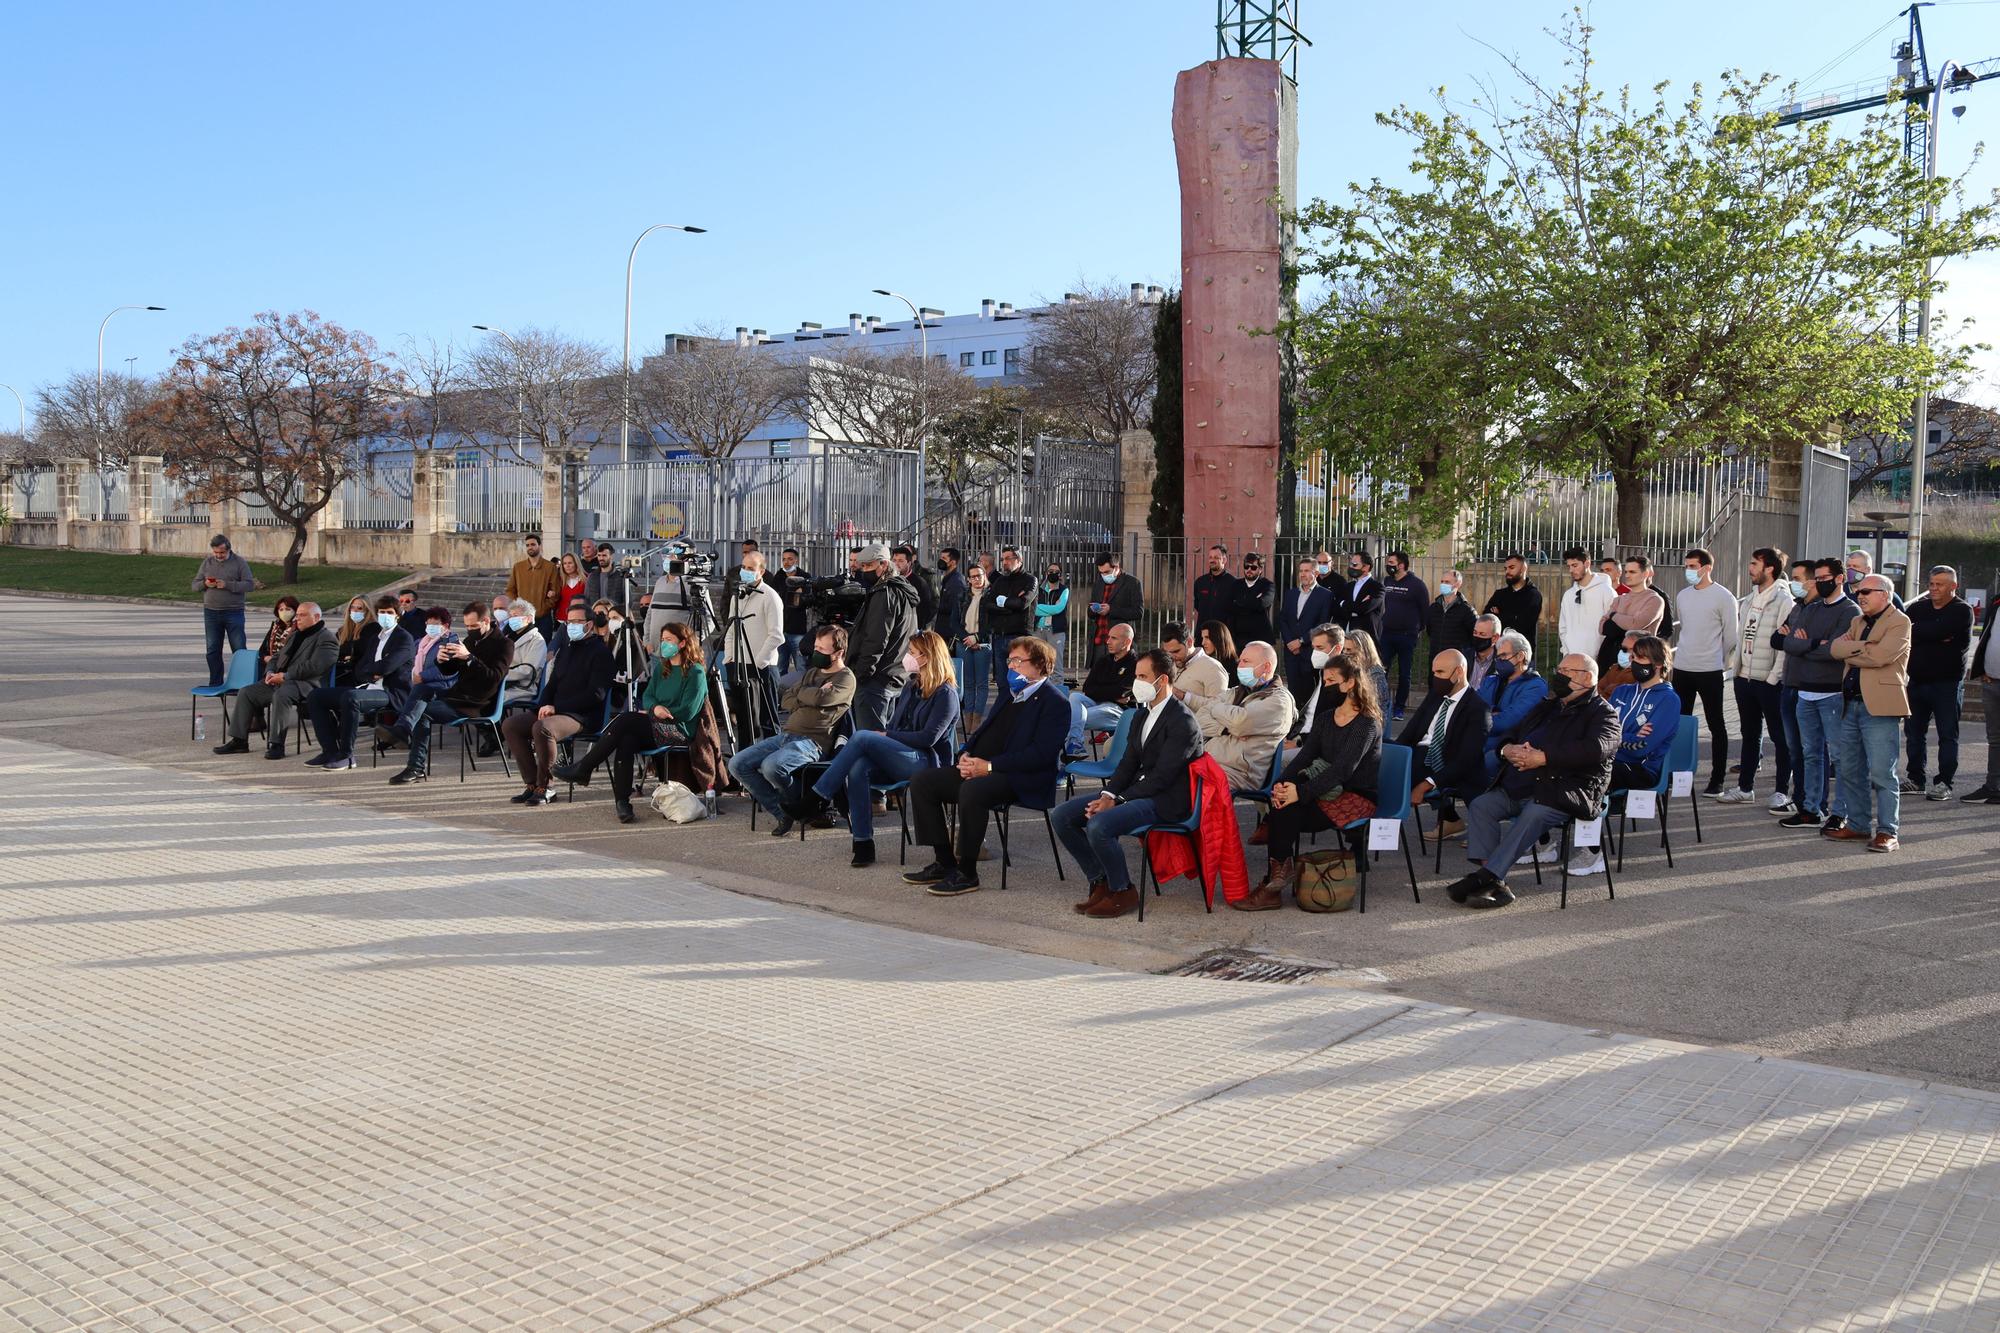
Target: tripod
(749,696)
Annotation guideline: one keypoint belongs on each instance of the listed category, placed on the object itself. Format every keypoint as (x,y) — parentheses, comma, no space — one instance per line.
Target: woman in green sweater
(670,709)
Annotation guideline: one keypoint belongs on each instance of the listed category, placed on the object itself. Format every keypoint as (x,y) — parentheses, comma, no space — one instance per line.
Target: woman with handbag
(1328,782)
(668,713)
(918,736)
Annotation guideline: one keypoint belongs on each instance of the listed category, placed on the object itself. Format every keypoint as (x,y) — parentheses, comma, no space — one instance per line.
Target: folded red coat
(1221,840)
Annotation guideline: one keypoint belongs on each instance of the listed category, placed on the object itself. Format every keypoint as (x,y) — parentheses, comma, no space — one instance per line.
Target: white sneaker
(1737,796)
(1938,791)
(1587,863)
(1781,804)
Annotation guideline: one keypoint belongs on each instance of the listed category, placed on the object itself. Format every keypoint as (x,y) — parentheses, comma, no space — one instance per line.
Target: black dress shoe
(783,826)
(1499,895)
(572,773)
(1476,882)
(407,775)
(955,884)
(233,746)
(274,752)
(929,874)
(525,798)
(624,808)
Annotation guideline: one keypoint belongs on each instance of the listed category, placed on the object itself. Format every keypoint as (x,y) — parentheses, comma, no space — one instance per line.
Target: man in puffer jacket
(1760,675)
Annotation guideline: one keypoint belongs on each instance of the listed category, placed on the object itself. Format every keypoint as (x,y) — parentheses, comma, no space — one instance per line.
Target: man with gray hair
(298,668)
(1510,691)
(1940,639)
(222,580)
(1874,700)
(882,630)
(1486,632)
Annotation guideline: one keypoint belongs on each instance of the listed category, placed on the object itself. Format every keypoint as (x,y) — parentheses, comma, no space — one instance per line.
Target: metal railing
(172,504)
(720,499)
(491,496)
(35,492)
(378,499)
(102,496)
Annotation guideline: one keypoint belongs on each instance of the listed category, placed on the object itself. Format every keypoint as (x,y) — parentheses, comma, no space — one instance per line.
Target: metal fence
(378,499)
(35,492)
(102,496)
(172,504)
(490,496)
(840,489)
(1057,494)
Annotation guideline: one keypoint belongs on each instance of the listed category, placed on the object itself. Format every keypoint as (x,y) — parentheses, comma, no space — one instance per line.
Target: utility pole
(1923,104)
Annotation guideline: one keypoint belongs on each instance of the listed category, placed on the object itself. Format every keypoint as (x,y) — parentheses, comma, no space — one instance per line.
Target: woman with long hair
(357,619)
(1220,644)
(918,736)
(570,585)
(1361,650)
(1329,780)
(669,710)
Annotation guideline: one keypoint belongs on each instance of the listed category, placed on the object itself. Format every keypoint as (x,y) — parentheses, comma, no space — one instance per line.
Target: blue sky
(418,168)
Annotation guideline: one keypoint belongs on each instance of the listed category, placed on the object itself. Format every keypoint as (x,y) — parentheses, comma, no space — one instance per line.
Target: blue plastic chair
(569,743)
(1189,828)
(1392,801)
(1680,759)
(467,726)
(241,671)
(1101,770)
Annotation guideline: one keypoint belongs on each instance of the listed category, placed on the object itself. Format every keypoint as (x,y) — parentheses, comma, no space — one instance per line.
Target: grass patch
(168,577)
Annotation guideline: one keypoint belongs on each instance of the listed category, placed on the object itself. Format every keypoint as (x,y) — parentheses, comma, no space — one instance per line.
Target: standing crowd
(937,687)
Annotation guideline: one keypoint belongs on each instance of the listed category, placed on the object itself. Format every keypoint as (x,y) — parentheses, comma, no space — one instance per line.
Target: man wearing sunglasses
(1874,701)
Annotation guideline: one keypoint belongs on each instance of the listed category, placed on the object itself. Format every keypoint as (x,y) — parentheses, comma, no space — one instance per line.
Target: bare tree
(975,449)
(281,410)
(74,420)
(1968,438)
(708,395)
(1091,362)
(894,400)
(429,386)
(538,387)
(24,456)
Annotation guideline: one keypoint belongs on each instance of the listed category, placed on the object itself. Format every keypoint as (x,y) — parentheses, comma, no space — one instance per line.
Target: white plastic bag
(677,804)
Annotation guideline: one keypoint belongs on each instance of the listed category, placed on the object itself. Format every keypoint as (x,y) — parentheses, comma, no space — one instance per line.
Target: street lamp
(1949,76)
(923,401)
(97,404)
(625,413)
(20,408)
(520,406)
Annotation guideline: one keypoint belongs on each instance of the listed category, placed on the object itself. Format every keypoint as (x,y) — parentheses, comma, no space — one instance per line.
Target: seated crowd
(897,709)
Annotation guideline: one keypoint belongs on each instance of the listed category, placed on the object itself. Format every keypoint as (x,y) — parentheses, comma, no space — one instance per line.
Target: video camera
(835,600)
(685,558)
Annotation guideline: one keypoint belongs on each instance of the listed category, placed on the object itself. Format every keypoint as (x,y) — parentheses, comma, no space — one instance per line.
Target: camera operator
(1008,612)
(888,618)
(678,595)
(904,557)
(794,588)
(753,635)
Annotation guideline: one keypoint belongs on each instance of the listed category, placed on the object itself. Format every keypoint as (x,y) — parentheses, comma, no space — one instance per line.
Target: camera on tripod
(685,558)
(835,600)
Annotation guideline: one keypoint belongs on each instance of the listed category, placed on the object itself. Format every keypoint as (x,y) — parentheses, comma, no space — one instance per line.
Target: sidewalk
(276,1062)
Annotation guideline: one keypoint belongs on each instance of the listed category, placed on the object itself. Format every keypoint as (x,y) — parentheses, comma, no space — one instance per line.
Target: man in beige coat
(1245,727)
(1874,701)
(1197,676)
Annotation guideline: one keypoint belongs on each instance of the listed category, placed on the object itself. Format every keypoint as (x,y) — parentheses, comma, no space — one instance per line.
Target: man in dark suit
(1251,622)
(1362,606)
(1015,758)
(1150,787)
(1448,738)
(1305,606)
(375,676)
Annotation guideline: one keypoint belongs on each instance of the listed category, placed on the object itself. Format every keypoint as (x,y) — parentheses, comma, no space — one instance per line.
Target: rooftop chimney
(1156,294)
(742,335)
(1072,298)
(807,326)
(1005,310)
(853,322)
(759,336)
(986,308)
(1138,292)
(874,323)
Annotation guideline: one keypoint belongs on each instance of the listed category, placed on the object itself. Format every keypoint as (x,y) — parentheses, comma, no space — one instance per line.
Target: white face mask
(1320,658)
(614,624)
(1144,692)
(912,663)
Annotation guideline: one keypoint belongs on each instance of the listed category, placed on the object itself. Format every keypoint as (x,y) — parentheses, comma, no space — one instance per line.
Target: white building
(993,344)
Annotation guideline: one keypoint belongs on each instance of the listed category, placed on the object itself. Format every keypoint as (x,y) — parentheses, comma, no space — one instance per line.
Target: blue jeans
(336,716)
(1794,781)
(868,757)
(1399,653)
(790,652)
(1819,731)
(436,710)
(1939,700)
(214,624)
(1488,845)
(975,666)
(1868,760)
(765,769)
(996,644)
(1093,840)
(1086,714)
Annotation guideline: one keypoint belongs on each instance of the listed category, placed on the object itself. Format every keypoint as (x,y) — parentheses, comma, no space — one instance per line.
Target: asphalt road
(1759,939)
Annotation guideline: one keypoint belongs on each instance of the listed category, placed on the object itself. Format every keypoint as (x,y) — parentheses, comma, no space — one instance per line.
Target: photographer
(753,634)
(794,587)
(882,630)
(1008,610)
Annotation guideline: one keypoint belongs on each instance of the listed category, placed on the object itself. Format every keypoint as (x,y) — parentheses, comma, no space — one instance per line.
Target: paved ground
(293,1063)
(1759,939)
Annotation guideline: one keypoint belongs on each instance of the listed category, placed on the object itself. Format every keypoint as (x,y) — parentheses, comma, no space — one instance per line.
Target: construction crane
(1922,97)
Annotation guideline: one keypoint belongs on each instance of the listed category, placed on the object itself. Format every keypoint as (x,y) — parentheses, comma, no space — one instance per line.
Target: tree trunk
(296,550)
(1631,486)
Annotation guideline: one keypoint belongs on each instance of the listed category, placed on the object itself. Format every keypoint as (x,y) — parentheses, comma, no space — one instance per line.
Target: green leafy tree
(1592,281)
(1166,516)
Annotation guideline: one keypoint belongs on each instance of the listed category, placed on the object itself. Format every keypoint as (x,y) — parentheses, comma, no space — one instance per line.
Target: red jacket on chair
(1221,841)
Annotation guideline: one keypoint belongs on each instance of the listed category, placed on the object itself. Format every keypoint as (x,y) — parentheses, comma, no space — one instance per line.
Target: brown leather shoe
(1261,834)
(1098,888)
(1277,875)
(1883,842)
(1114,904)
(1263,898)
(1845,833)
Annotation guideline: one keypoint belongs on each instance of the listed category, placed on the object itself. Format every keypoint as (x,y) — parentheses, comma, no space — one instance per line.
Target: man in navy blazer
(1015,758)
(1304,606)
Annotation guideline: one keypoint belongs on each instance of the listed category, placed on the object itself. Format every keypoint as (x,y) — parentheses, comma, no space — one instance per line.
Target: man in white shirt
(1585,604)
(753,634)
(1709,645)
(1327,642)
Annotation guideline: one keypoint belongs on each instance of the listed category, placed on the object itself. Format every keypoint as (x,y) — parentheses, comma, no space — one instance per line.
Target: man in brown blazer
(1874,701)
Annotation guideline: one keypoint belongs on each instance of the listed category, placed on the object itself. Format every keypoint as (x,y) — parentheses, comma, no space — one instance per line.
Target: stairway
(454,589)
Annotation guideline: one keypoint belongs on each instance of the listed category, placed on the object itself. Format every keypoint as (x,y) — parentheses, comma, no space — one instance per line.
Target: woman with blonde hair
(1360,649)
(918,736)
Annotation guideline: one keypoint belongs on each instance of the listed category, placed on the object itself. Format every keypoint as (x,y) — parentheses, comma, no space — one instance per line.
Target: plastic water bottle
(708,802)
(200,727)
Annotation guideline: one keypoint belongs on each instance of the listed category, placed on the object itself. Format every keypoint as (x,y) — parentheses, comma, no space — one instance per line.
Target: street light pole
(923,403)
(20,408)
(625,411)
(97,404)
(520,393)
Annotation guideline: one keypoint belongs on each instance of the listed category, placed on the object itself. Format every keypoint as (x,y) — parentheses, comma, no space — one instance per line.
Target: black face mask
(944,566)
(1481,645)
(1644,671)
(1443,685)
(1561,686)
(1826,588)
(866,578)
(1335,695)
(820,661)
(1354,571)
